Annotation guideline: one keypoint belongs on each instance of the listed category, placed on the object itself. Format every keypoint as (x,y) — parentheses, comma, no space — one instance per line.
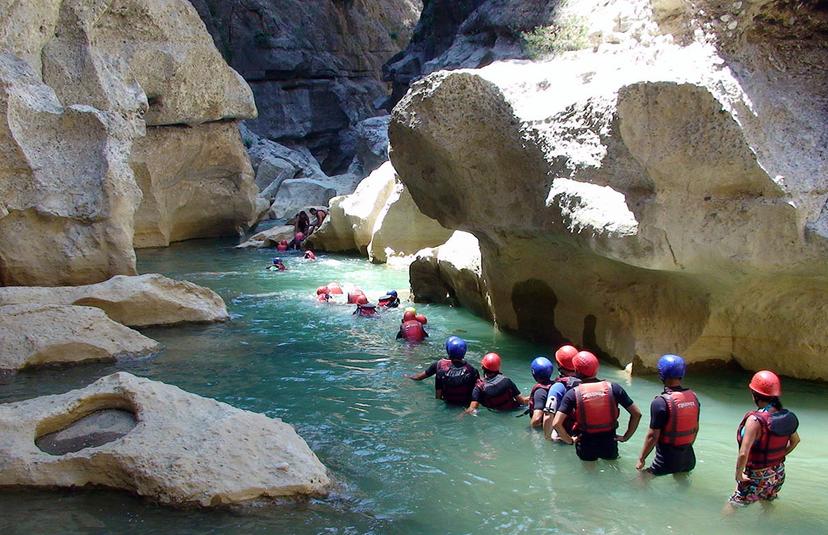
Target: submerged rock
(184,450)
(37,335)
(647,195)
(138,301)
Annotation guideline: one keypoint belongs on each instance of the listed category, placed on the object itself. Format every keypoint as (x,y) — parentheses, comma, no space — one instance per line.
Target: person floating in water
(411,328)
(455,378)
(277,265)
(594,406)
(364,308)
(389,300)
(674,422)
(766,436)
(495,391)
(310,255)
(354,294)
(323,295)
(282,246)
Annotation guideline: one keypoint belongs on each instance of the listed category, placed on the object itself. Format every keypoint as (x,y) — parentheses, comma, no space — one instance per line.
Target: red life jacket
(532,396)
(412,330)
(497,394)
(455,383)
(353,296)
(595,408)
(682,424)
(769,448)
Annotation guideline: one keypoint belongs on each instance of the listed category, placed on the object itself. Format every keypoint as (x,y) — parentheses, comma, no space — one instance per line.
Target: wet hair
(312,211)
(764,401)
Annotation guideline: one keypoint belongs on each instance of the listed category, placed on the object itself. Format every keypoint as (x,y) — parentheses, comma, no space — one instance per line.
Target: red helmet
(362,300)
(491,362)
(322,290)
(283,242)
(409,315)
(766,383)
(421,318)
(335,288)
(586,364)
(299,236)
(564,356)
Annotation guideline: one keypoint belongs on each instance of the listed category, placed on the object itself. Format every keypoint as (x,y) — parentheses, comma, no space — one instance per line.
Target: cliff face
(83,84)
(315,67)
(663,190)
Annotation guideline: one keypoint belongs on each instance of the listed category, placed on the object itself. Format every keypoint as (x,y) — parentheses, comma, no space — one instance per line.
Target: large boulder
(451,274)
(138,301)
(648,195)
(38,335)
(315,67)
(184,450)
(197,183)
(269,238)
(67,195)
(79,83)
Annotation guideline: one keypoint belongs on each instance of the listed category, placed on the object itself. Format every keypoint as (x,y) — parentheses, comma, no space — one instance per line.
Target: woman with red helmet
(495,391)
(765,436)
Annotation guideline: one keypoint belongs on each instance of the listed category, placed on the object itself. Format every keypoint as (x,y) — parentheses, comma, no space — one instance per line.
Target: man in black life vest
(594,405)
(674,422)
(455,378)
(495,391)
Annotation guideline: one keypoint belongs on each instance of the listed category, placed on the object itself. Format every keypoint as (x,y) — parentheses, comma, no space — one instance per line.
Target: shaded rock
(269,238)
(37,335)
(451,274)
(197,183)
(186,450)
(138,301)
(96,429)
(371,145)
(68,195)
(634,201)
(314,67)
(294,195)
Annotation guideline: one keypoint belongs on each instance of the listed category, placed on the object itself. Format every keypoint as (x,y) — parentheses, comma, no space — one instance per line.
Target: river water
(404,463)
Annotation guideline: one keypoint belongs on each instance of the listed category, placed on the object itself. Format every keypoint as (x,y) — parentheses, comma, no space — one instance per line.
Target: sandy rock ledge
(37,335)
(183,450)
(140,301)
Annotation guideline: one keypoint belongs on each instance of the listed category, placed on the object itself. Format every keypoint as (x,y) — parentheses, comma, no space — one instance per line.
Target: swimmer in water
(309,255)
(364,308)
(277,265)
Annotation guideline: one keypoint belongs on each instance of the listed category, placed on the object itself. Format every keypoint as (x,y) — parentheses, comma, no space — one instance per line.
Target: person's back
(455,380)
(412,331)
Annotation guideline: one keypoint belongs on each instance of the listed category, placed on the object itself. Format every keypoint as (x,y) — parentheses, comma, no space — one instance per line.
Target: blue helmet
(455,347)
(671,367)
(541,368)
(277,260)
(392,293)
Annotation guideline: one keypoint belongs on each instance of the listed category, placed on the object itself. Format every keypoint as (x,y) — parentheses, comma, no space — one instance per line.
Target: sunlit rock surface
(138,301)
(38,335)
(89,90)
(661,191)
(184,450)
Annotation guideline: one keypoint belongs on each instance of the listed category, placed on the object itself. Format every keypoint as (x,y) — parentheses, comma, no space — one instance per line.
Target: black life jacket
(532,396)
(497,393)
(455,382)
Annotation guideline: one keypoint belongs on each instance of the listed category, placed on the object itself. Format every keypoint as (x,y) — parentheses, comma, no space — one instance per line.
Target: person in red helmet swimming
(455,378)
(565,382)
(594,406)
(323,295)
(674,422)
(364,308)
(766,436)
(495,391)
(354,295)
(282,246)
(412,327)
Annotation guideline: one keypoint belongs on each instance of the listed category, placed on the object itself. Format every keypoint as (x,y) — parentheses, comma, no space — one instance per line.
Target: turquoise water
(403,462)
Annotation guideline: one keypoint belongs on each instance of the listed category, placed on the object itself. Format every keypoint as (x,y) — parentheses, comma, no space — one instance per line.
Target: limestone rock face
(80,82)
(138,301)
(185,450)
(654,193)
(37,335)
(451,274)
(197,183)
(315,67)
(68,196)
(269,238)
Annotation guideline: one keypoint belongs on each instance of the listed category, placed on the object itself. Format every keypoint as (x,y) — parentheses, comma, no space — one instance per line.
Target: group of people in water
(577,407)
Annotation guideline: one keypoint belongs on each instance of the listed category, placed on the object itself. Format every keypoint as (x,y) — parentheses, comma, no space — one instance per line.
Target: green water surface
(404,463)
